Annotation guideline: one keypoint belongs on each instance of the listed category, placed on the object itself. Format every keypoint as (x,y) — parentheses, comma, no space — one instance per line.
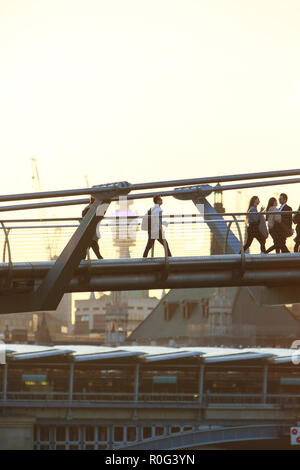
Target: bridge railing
(207,399)
(121,237)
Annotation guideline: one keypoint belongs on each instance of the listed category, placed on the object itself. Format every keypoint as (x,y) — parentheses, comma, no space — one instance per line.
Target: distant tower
(116,318)
(124,234)
(215,247)
(42,335)
(220,308)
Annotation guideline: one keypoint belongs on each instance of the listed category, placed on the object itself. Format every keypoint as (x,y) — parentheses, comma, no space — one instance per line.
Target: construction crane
(36,186)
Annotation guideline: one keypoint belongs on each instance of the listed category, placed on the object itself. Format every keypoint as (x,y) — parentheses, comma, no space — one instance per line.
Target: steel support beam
(55,284)
(219,228)
(280,273)
(217,224)
(51,291)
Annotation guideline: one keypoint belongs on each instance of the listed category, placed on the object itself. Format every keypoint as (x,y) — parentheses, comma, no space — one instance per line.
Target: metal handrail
(208,398)
(153,185)
(196,215)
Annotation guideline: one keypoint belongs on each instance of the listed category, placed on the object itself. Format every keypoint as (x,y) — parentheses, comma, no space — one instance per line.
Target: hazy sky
(143,90)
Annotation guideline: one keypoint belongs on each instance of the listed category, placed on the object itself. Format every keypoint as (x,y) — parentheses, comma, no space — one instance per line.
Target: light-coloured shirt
(272,218)
(156,221)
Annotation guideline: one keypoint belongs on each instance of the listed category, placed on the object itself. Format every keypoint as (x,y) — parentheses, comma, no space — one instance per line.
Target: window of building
(175,429)
(60,433)
(83,318)
(102,433)
(118,434)
(89,433)
(44,433)
(131,434)
(73,433)
(147,432)
(188,308)
(169,309)
(159,431)
(188,428)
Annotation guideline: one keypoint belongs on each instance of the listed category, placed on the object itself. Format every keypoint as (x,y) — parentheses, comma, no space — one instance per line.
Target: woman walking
(274,221)
(253,219)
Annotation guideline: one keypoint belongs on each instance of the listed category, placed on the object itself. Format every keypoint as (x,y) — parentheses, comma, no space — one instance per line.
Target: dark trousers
(151,243)
(282,244)
(275,234)
(253,232)
(297,241)
(282,239)
(95,247)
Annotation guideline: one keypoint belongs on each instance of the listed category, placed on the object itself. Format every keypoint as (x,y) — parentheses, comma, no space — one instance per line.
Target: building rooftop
(147,354)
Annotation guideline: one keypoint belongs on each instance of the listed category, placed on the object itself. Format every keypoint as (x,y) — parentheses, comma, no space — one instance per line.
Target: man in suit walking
(286,222)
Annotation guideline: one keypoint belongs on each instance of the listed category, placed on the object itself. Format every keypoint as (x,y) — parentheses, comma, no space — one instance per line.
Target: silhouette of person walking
(253,219)
(286,222)
(274,221)
(296,220)
(155,229)
(94,242)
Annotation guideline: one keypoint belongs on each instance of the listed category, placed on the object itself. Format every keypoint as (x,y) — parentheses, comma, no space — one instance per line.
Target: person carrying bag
(153,224)
(254,221)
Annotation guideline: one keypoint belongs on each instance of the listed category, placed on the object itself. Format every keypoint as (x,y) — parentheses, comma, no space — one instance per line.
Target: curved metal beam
(152,185)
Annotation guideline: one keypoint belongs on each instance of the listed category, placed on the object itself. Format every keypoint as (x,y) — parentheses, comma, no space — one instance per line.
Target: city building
(111,318)
(228,316)
(59,322)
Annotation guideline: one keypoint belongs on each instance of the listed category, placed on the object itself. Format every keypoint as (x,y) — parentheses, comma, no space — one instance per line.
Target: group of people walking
(279,224)
(277,221)
(153,225)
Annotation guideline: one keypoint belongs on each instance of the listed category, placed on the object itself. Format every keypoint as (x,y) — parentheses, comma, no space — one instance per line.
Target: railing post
(265,384)
(136,383)
(71,382)
(201,383)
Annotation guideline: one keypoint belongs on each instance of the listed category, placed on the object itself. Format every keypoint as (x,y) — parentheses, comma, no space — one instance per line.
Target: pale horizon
(147,91)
